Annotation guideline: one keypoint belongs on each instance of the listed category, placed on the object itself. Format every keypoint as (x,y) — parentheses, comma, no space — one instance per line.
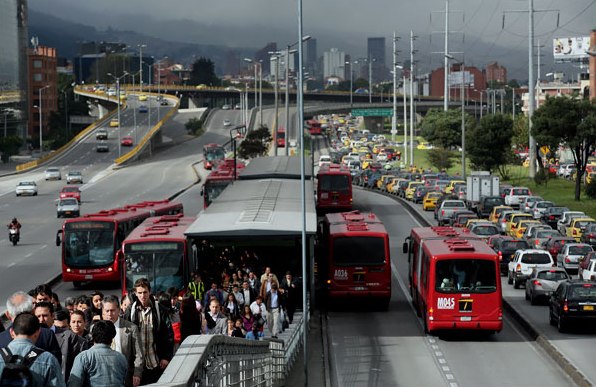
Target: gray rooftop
(281,167)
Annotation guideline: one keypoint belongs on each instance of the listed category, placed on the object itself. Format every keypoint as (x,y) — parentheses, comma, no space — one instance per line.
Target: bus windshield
(348,251)
(213,190)
(466,275)
(339,183)
(215,154)
(160,262)
(88,244)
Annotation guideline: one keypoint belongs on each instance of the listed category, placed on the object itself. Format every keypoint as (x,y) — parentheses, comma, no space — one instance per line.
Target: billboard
(571,49)
(456,77)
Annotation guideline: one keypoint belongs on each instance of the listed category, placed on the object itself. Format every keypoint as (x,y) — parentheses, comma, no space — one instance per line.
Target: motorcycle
(13,236)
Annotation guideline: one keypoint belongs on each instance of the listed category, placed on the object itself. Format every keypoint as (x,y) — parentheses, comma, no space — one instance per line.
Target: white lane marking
(11,265)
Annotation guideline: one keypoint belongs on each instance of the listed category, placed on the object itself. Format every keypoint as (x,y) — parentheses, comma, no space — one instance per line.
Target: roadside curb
(325,339)
(569,369)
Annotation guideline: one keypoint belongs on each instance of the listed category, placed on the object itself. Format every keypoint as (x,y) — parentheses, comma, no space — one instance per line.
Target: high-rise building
(13,56)
(311,56)
(376,53)
(263,56)
(43,75)
(495,72)
(334,63)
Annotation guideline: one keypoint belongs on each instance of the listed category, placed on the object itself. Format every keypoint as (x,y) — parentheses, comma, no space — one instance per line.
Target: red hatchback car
(71,192)
(126,141)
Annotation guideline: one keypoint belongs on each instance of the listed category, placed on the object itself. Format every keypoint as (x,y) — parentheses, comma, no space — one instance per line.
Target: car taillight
(567,260)
(537,283)
(442,212)
(537,242)
(574,232)
(565,307)
(518,267)
(551,217)
(500,256)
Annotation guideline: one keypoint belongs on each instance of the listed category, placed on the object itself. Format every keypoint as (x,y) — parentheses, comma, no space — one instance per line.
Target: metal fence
(217,360)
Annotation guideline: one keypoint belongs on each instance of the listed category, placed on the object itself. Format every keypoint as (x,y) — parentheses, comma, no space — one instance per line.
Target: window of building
(37,64)
(37,77)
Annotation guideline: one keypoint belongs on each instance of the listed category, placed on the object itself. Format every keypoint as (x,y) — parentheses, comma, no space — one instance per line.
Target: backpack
(16,370)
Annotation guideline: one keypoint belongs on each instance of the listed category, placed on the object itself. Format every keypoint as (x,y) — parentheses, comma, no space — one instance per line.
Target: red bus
(280,137)
(90,242)
(460,286)
(314,127)
(412,247)
(212,153)
(158,250)
(334,188)
(356,261)
(218,179)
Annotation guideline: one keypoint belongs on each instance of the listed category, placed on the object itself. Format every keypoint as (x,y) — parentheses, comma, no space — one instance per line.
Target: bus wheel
(424,322)
(76,284)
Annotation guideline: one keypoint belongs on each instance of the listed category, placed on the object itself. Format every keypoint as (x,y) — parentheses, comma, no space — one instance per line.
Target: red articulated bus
(158,250)
(314,127)
(412,247)
(460,286)
(218,179)
(356,259)
(334,188)
(212,153)
(90,243)
(280,137)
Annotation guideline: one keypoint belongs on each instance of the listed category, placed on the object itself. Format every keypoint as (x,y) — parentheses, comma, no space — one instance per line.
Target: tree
(203,72)
(443,129)
(256,143)
(569,121)
(489,143)
(442,159)
(520,138)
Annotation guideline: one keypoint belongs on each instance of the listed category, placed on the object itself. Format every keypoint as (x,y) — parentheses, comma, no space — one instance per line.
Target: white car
(74,177)
(514,194)
(523,262)
(53,173)
(382,156)
(227,123)
(324,159)
(26,188)
(589,274)
(68,207)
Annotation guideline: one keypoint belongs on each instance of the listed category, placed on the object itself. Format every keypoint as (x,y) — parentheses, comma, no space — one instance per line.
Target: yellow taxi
(142,97)
(577,227)
(496,212)
(523,226)
(391,183)
(430,200)
(590,176)
(470,222)
(411,188)
(449,188)
(114,123)
(513,224)
(383,181)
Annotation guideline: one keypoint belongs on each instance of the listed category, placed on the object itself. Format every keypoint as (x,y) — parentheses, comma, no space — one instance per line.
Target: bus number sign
(340,274)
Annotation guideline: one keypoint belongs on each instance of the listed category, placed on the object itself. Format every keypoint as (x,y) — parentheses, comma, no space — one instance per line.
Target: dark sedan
(573,301)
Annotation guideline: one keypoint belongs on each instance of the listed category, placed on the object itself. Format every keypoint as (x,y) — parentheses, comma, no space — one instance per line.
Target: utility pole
(531,82)
(394,116)
(412,37)
(446,60)
(405,122)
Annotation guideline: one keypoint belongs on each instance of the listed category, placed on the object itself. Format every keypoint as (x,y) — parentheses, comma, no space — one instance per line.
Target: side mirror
(405,248)
(58,239)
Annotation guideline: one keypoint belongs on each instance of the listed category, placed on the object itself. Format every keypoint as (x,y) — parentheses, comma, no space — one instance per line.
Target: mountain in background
(66,37)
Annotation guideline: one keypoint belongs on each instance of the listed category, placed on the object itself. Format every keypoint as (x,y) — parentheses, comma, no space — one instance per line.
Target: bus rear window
(348,251)
(339,183)
(469,275)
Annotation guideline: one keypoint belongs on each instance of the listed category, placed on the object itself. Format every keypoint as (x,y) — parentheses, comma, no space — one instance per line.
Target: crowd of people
(114,341)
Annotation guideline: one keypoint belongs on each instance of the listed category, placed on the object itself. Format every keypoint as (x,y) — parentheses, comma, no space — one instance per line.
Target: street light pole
(41,119)
(351,83)
(276,59)
(260,94)
(287,101)
(141,66)
(370,60)
(118,103)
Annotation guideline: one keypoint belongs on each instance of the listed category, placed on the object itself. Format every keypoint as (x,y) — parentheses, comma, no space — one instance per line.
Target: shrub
(591,189)
(541,176)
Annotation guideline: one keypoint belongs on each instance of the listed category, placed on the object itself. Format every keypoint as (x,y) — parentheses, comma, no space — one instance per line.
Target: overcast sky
(345,24)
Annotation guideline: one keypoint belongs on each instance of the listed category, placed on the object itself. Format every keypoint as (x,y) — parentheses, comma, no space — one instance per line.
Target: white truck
(478,184)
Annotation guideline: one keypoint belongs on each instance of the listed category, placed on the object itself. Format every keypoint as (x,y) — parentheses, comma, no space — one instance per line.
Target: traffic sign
(379,112)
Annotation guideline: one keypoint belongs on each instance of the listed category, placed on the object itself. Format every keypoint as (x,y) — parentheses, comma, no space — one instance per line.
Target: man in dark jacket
(21,302)
(156,334)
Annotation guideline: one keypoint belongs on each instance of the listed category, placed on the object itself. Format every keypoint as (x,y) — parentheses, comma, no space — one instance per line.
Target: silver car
(570,254)
(74,177)
(539,208)
(26,188)
(543,282)
(53,173)
(68,207)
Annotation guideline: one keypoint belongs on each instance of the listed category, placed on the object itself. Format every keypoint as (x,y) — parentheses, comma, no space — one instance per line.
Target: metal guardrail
(217,360)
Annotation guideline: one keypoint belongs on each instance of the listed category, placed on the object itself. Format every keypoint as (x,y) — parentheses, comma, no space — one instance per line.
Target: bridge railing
(217,360)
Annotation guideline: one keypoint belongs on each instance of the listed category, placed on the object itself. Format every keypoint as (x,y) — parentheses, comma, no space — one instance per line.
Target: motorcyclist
(14,224)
